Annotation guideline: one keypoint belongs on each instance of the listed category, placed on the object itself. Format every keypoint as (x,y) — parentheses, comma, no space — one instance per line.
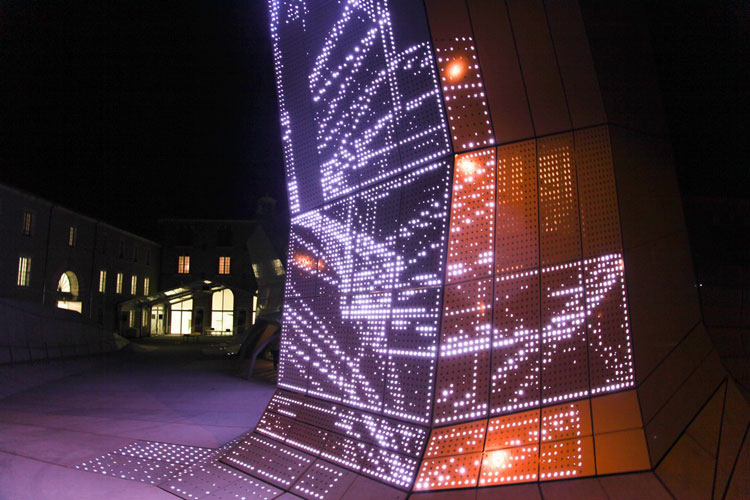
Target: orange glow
(305,262)
(496,460)
(468,166)
(456,69)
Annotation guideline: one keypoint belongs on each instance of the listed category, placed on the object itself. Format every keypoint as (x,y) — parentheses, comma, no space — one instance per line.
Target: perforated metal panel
(323,481)
(512,430)
(306,437)
(515,343)
(458,471)
(412,354)
(456,439)
(268,460)
(132,468)
(302,259)
(564,348)
(334,269)
(517,239)
(166,452)
(472,221)
(390,467)
(423,226)
(600,221)
(274,425)
(220,482)
(510,465)
(462,386)
(367,489)
(463,91)
(298,317)
(566,459)
(345,451)
(607,324)
(558,200)
(571,420)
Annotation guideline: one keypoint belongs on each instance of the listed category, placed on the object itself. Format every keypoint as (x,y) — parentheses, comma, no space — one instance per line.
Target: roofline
(53,205)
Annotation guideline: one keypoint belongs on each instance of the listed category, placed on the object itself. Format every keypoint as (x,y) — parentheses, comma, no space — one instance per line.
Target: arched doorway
(67,292)
(222,311)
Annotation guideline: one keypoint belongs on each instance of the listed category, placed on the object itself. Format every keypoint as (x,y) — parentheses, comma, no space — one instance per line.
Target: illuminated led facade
(456,310)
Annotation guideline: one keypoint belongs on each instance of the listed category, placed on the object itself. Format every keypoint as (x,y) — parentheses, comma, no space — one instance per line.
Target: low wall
(33,332)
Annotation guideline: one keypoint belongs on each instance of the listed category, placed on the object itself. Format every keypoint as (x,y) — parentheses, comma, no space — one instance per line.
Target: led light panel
(437,284)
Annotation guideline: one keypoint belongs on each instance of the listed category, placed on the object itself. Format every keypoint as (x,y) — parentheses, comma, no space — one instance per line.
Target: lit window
(72,233)
(144,317)
(224,265)
(118,283)
(183,264)
(278,267)
(27,218)
(133,284)
(131,319)
(102,281)
(24,271)
(222,311)
(146,285)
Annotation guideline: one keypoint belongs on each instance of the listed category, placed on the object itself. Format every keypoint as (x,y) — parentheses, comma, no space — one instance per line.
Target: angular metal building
(489,292)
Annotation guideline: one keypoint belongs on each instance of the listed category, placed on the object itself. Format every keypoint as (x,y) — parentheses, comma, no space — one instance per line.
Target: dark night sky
(135,110)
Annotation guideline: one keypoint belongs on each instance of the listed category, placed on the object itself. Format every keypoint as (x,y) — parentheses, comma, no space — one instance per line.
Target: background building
(59,258)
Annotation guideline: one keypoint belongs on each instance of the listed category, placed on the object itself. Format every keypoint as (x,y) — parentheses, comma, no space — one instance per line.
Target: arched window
(222,310)
(67,289)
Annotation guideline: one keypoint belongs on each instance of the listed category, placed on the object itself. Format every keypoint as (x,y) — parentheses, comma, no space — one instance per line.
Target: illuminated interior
(181,317)
(67,289)
(450,307)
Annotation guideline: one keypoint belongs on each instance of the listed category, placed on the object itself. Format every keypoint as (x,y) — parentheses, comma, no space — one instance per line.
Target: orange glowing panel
(512,465)
(441,473)
(566,421)
(457,439)
(517,240)
(559,229)
(472,219)
(516,429)
(463,91)
(567,459)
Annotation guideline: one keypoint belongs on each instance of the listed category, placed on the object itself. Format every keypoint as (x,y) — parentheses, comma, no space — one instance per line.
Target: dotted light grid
(564,349)
(514,450)
(215,480)
(277,15)
(610,350)
(360,441)
(558,201)
(466,332)
(517,213)
(472,219)
(463,91)
(341,341)
(377,109)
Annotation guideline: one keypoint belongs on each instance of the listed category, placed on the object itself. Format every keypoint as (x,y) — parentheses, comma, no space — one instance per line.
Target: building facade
(489,289)
(60,258)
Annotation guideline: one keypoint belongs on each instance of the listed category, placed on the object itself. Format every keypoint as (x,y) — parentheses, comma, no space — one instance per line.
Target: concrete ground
(69,412)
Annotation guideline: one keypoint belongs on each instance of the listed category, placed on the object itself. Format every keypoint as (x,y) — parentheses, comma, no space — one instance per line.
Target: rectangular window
(131,319)
(224,265)
(102,281)
(24,271)
(72,233)
(183,264)
(133,284)
(146,285)
(144,317)
(118,283)
(27,219)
